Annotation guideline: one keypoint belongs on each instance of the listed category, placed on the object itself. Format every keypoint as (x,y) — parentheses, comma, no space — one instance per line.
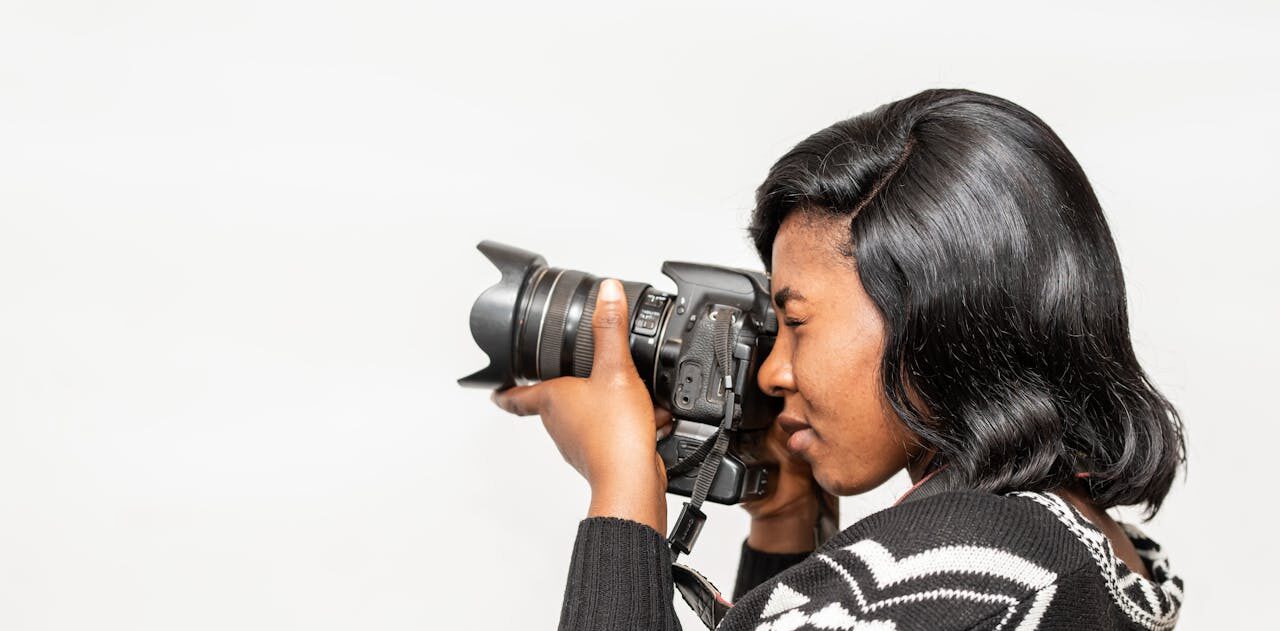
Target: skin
(824,365)
(614,451)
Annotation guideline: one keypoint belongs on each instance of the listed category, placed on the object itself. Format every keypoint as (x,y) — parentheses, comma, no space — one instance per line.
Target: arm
(605,426)
(620,574)
(776,542)
(756,567)
(619,578)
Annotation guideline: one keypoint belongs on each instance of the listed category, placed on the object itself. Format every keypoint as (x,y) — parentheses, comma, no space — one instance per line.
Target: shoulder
(953,560)
(1021,525)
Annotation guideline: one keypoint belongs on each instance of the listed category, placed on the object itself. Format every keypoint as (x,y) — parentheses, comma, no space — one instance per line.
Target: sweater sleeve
(756,567)
(619,578)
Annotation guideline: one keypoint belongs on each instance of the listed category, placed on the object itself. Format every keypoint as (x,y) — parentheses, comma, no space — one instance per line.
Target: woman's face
(826,361)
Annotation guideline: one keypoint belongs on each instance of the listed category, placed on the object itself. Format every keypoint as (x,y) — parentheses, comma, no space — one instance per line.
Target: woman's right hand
(784,520)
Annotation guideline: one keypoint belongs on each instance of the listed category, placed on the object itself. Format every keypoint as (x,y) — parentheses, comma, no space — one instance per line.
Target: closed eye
(792,322)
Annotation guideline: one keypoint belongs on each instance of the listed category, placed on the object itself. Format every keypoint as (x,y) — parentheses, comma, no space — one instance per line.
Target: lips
(791,424)
(799,433)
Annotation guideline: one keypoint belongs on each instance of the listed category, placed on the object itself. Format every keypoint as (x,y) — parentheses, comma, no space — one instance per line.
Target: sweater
(962,560)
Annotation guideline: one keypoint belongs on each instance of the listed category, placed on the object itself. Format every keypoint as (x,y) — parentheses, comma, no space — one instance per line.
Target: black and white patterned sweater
(935,560)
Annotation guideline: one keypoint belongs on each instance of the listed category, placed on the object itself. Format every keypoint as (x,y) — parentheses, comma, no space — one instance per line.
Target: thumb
(610,330)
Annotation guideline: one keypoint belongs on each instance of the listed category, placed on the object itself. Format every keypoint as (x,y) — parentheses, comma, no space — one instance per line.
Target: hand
(783,521)
(605,425)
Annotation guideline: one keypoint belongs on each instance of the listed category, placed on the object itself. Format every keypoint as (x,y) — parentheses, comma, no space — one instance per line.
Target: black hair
(979,238)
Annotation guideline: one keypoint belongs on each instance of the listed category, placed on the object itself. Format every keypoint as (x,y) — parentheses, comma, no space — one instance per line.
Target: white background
(237,259)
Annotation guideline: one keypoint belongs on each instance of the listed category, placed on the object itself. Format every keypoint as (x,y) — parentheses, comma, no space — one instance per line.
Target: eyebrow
(785,295)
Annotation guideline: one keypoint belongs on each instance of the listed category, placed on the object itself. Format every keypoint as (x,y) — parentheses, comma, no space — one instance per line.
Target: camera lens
(535,323)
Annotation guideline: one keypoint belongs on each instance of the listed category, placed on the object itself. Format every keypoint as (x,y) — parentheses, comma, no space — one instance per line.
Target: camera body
(689,382)
(535,324)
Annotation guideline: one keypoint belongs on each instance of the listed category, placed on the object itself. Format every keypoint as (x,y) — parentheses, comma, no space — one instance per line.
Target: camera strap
(685,532)
(697,591)
(703,597)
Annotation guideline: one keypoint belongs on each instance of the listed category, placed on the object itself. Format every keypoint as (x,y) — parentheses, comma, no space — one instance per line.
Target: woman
(951,304)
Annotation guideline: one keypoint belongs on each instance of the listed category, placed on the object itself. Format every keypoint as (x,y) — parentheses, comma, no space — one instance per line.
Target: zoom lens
(535,323)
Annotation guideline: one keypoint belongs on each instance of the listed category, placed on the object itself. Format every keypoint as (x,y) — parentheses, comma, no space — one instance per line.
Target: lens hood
(496,314)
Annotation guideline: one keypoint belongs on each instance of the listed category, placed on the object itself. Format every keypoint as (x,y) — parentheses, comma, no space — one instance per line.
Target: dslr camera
(697,351)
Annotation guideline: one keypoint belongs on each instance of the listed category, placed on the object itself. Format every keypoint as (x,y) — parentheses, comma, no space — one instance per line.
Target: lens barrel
(556,338)
(535,323)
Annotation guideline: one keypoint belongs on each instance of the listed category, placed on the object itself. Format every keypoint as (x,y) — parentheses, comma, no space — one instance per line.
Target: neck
(916,467)
(918,478)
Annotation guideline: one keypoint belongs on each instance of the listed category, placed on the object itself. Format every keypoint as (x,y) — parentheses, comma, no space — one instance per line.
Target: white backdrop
(237,258)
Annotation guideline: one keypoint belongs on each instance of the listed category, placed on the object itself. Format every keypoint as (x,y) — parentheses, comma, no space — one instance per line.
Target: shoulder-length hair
(979,238)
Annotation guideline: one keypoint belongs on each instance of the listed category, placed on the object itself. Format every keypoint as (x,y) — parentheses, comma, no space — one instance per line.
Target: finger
(520,400)
(665,431)
(664,420)
(661,415)
(610,330)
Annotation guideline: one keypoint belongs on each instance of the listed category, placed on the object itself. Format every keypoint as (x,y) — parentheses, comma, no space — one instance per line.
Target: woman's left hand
(605,425)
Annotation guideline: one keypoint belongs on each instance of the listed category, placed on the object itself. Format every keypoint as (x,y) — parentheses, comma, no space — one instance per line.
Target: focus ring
(552,340)
(585,349)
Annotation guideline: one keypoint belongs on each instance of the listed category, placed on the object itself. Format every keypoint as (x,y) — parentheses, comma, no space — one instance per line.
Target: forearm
(640,498)
(620,574)
(619,579)
(756,567)
(773,544)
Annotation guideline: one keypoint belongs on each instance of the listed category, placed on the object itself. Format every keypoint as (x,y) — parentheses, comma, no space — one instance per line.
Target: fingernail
(611,290)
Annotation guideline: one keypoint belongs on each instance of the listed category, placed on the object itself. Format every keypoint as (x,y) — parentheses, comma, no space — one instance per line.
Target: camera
(535,324)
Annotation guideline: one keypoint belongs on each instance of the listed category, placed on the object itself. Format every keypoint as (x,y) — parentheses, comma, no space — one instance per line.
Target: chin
(846,483)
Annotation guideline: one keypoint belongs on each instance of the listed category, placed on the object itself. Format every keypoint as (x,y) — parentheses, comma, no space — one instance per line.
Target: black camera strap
(685,533)
(695,458)
(697,591)
(711,452)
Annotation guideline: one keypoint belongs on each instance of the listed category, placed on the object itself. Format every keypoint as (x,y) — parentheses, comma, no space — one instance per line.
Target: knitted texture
(755,567)
(950,560)
(619,578)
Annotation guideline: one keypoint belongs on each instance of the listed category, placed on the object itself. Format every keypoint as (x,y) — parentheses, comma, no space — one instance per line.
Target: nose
(775,377)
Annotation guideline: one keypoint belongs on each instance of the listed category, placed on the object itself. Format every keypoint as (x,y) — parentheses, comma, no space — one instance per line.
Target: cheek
(858,447)
(839,377)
